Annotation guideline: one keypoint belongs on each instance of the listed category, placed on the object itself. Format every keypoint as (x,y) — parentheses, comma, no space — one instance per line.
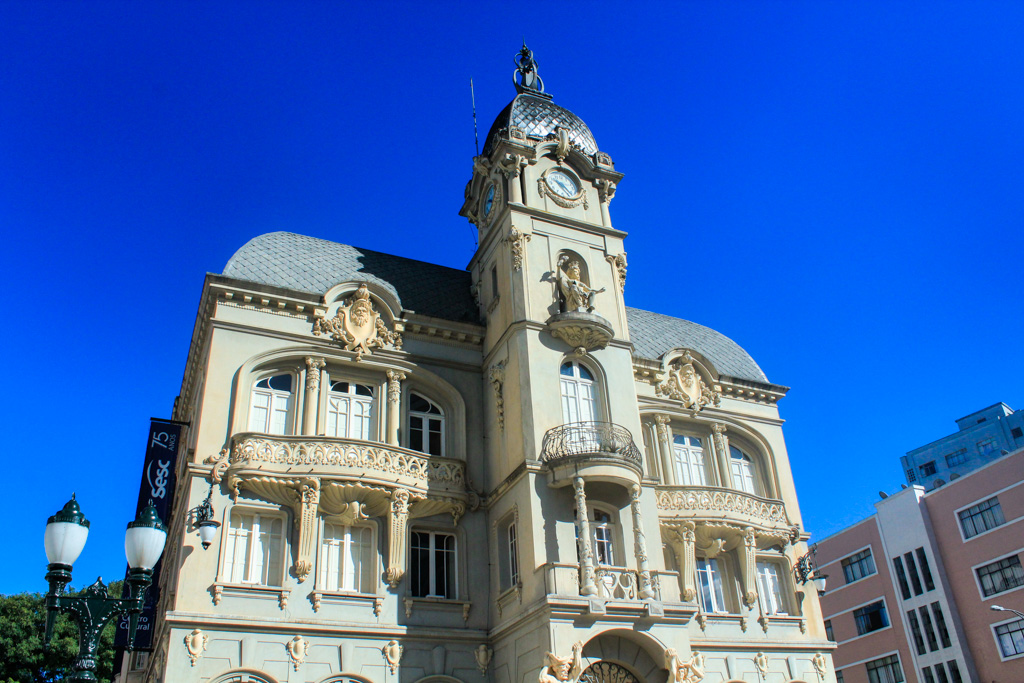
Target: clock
(562,184)
(489,201)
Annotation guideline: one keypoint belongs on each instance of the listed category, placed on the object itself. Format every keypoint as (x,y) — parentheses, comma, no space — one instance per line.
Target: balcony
(721,506)
(596,451)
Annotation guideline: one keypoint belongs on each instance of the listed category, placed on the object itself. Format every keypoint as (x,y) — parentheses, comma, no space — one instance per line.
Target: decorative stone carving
(392,655)
(761,662)
(408,604)
(707,500)
(465,611)
(218,594)
(749,567)
(398,522)
(483,655)
(378,605)
(395,378)
(195,645)
(308,499)
(688,560)
(220,464)
(606,189)
(820,665)
(577,295)
(517,243)
(497,377)
(603,159)
(313,367)
(317,599)
(619,262)
(690,671)
(512,165)
(582,338)
(298,648)
(702,620)
(358,326)
(686,385)
(587,587)
(562,669)
(640,545)
(563,147)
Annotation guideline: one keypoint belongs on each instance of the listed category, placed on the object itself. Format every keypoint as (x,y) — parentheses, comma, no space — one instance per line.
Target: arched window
(271,405)
(347,558)
(579,403)
(426,426)
(743,477)
(688,462)
(348,410)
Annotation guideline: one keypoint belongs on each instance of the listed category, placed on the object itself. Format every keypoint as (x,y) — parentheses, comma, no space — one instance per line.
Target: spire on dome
(526,66)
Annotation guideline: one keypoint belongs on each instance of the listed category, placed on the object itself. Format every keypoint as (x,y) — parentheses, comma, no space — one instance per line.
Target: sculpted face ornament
(358,326)
(578,296)
(686,385)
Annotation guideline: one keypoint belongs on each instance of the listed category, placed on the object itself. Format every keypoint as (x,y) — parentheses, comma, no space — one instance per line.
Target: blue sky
(836,186)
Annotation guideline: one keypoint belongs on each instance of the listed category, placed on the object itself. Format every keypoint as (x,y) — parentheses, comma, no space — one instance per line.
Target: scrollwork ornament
(358,326)
(195,645)
(392,652)
(761,662)
(298,648)
(517,243)
(497,377)
(606,189)
(313,367)
(512,165)
(483,655)
(619,262)
(686,385)
(820,665)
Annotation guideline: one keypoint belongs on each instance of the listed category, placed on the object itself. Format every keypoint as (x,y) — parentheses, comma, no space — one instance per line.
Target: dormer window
(271,405)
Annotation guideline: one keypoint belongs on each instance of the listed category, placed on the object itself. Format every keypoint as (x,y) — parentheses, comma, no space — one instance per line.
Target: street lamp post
(997,608)
(66,533)
(806,570)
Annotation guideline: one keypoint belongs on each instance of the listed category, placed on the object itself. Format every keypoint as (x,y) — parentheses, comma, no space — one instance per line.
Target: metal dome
(537,116)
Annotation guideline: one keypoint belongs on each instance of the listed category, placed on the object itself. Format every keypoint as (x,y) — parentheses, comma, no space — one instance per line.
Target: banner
(158,479)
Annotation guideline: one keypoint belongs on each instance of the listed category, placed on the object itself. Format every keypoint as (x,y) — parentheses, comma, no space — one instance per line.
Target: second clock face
(561,184)
(489,200)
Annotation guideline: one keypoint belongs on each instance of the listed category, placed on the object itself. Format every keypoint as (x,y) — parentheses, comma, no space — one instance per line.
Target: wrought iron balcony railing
(590,440)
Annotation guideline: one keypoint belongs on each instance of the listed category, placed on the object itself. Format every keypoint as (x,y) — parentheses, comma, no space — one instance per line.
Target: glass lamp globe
(66,533)
(819,583)
(145,538)
(207,532)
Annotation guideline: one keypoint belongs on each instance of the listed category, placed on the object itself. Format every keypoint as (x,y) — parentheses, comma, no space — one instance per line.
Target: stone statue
(562,669)
(690,671)
(577,294)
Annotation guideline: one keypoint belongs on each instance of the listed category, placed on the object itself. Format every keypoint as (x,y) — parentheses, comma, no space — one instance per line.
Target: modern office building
(912,588)
(982,437)
(502,474)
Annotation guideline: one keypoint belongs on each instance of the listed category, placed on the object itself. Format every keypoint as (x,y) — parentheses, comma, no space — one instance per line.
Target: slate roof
(654,334)
(308,264)
(538,116)
(312,265)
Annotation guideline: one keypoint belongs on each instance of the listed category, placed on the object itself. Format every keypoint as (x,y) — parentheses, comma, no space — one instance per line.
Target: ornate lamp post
(203,520)
(66,533)
(806,570)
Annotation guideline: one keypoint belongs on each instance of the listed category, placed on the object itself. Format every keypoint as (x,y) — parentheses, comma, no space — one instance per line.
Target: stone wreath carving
(686,385)
(358,326)
(562,669)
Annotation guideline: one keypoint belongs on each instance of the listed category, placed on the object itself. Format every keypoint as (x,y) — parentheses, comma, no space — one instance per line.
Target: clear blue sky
(839,187)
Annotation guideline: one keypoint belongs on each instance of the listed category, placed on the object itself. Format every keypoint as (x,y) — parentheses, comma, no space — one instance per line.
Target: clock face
(489,200)
(561,184)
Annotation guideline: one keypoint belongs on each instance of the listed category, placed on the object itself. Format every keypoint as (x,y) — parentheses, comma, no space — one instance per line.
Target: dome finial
(526,65)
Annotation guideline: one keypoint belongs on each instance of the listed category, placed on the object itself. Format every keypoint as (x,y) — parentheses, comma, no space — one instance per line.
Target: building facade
(982,437)
(501,474)
(913,586)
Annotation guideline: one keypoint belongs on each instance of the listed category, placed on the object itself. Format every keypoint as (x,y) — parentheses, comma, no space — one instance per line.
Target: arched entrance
(607,672)
(621,656)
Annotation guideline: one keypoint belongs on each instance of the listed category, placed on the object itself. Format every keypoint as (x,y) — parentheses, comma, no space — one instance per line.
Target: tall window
(955,458)
(426,426)
(578,399)
(828,630)
(602,527)
(513,553)
(710,580)
(940,624)
(1011,638)
(432,565)
(929,630)
(346,558)
(348,410)
(1001,575)
(954,671)
(926,571)
(979,518)
(769,588)
(915,628)
(254,549)
(508,553)
(915,580)
(885,670)
(689,460)
(271,404)
(742,471)
(871,618)
(901,576)
(858,566)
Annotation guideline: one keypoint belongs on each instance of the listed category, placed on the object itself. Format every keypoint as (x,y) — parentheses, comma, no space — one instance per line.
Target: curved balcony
(596,451)
(720,506)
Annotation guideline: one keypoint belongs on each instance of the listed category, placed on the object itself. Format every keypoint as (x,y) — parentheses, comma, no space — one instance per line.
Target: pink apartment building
(911,588)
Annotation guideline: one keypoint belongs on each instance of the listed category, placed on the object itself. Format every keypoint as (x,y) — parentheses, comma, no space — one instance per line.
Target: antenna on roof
(476,138)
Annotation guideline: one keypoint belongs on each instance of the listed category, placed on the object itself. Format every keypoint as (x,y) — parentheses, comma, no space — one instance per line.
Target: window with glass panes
(926,671)
(348,410)
(513,554)
(858,566)
(929,630)
(1011,638)
(689,460)
(928,469)
(253,552)
(602,529)
(579,403)
(828,630)
(346,558)
(954,671)
(901,576)
(885,670)
(871,618)
(956,458)
(709,578)
(769,588)
(1001,575)
(926,570)
(915,629)
(915,580)
(271,405)
(940,673)
(742,468)
(426,426)
(979,518)
(432,565)
(940,624)
(986,445)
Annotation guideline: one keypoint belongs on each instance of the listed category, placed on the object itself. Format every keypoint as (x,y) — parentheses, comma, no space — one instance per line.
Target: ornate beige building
(506,475)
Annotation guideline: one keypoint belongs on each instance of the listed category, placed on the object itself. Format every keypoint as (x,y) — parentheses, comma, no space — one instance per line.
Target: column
(314,366)
(640,545)
(749,559)
(722,451)
(395,378)
(512,166)
(587,576)
(666,448)
(305,519)
(685,549)
(398,523)
(606,190)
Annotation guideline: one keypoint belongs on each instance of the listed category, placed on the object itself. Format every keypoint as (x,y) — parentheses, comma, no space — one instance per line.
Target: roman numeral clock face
(561,184)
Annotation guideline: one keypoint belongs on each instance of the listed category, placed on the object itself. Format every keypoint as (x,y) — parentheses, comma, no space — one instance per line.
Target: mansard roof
(654,335)
(309,264)
(312,265)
